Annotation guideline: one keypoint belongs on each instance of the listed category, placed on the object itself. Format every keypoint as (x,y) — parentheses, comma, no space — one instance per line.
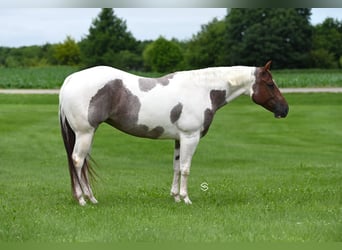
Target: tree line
(243,37)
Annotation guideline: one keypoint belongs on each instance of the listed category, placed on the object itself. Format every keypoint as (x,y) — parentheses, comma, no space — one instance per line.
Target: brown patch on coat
(176,112)
(177,144)
(177,147)
(208,118)
(218,99)
(114,102)
(143,131)
(146,84)
(117,106)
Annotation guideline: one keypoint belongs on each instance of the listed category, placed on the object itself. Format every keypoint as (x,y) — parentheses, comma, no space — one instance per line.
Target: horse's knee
(185,170)
(78,161)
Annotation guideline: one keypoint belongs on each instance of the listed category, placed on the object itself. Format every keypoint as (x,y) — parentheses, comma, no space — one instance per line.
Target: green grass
(53,77)
(269,179)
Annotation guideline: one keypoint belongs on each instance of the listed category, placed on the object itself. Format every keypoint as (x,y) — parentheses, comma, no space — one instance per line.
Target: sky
(34,26)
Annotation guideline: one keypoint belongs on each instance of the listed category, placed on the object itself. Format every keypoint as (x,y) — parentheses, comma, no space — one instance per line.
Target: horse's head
(266,93)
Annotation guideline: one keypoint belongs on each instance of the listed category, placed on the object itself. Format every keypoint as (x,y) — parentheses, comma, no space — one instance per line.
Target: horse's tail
(69,142)
(69,139)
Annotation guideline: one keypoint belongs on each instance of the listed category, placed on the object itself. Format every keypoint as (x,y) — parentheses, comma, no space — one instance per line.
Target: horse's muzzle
(281,110)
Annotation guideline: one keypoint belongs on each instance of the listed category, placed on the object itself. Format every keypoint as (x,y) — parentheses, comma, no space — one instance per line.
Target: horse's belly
(145,130)
(173,115)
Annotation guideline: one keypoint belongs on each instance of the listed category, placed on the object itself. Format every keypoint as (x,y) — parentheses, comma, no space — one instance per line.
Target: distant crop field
(34,78)
(267,179)
(308,78)
(53,77)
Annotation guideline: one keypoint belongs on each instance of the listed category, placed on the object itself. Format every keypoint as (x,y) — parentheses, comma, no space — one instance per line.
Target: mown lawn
(268,179)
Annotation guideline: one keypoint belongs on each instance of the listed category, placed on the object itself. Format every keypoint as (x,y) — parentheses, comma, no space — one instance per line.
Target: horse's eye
(270,85)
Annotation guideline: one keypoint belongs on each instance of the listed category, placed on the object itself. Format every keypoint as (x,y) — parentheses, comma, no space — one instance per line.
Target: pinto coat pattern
(179,106)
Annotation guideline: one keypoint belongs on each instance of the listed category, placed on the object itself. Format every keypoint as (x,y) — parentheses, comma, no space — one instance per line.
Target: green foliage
(68,52)
(126,59)
(206,48)
(269,180)
(107,38)
(27,56)
(254,36)
(328,37)
(322,58)
(162,56)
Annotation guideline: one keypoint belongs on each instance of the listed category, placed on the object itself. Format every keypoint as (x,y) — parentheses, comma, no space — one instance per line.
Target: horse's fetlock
(174,192)
(185,172)
(177,198)
(183,194)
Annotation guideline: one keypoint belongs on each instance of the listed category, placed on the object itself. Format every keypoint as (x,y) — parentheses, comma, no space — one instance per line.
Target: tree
(327,37)
(254,36)
(107,37)
(26,56)
(206,48)
(162,55)
(68,52)
(322,58)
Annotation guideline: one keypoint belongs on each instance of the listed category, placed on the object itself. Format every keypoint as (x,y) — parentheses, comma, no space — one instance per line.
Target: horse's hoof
(187,201)
(93,200)
(177,198)
(82,202)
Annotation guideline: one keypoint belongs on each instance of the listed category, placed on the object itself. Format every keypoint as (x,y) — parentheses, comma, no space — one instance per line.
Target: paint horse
(178,106)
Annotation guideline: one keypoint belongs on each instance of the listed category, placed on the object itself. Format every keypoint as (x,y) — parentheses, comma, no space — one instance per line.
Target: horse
(178,106)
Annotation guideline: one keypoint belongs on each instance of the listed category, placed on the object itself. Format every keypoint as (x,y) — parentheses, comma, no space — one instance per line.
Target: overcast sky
(31,26)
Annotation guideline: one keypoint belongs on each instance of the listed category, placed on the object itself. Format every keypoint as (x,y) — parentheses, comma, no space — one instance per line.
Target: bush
(68,52)
(162,56)
(321,58)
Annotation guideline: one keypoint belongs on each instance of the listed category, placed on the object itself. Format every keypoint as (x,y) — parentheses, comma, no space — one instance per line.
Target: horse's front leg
(176,173)
(188,145)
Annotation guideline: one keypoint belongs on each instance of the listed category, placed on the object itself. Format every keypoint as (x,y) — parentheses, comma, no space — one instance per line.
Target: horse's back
(93,77)
(81,86)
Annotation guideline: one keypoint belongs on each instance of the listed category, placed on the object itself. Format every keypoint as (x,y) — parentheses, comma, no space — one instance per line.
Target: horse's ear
(268,65)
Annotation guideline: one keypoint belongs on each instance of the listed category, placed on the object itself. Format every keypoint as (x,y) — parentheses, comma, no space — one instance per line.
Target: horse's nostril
(281,111)
(286,111)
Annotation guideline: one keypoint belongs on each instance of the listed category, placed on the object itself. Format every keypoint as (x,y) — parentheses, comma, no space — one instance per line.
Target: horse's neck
(235,80)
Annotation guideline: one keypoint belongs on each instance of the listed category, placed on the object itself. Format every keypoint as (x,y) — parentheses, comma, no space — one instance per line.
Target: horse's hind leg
(85,178)
(81,150)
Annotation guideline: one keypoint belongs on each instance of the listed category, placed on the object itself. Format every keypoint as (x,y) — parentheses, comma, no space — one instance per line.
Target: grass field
(268,179)
(53,77)
(34,78)
(308,78)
